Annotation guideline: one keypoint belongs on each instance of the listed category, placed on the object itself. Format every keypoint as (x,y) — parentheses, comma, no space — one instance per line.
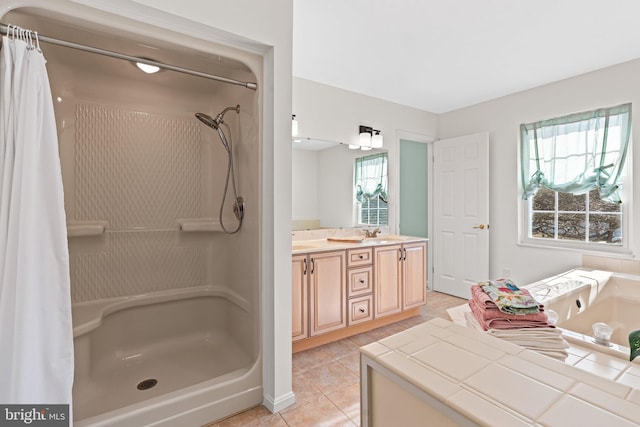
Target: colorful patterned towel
(509,298)
(483,300)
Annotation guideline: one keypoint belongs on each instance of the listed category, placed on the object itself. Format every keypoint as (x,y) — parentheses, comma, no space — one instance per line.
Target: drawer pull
(361,310)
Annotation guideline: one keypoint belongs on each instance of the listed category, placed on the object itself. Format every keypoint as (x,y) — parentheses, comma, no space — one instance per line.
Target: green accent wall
(413,188)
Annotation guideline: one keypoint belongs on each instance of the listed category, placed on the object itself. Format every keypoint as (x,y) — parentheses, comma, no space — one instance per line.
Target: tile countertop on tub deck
(494,383)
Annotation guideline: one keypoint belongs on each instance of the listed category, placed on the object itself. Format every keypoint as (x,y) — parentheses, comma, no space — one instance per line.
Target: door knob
(481,226)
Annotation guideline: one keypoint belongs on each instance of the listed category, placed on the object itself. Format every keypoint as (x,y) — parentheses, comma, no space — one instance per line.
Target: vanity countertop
(349,242)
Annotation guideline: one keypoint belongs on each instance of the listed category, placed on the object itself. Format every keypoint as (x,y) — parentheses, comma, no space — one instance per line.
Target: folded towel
(504,323)
(539,337)
(509,298)
(547,341)
(482,298)
(552,343)
(489,313)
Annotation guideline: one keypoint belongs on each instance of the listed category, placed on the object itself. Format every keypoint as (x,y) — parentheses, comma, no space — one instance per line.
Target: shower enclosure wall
(166,306)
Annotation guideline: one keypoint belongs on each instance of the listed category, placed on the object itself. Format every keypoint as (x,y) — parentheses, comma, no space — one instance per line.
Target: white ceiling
(441,55)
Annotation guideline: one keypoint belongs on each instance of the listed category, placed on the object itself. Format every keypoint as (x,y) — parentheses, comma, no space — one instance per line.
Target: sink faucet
(373,233)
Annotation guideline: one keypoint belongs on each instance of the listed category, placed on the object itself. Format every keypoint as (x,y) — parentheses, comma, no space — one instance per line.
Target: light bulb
(376,140)
(149,69)
(365,139)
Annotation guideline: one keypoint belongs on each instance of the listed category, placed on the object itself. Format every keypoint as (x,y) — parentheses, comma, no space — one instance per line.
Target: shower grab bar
(112,54)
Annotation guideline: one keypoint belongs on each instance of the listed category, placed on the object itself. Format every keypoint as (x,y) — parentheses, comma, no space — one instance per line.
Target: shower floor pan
(172,368)
(151,350)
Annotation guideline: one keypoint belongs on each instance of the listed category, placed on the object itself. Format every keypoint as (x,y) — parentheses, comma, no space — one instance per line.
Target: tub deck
(607,296)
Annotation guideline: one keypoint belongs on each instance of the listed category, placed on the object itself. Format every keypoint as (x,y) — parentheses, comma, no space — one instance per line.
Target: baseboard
(280,403)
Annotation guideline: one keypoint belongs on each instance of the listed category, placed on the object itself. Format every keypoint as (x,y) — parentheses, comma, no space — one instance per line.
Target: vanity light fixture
(294,125)
(354,147)
(368,140)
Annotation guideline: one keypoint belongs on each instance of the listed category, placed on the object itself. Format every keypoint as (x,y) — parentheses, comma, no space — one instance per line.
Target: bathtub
(180,357)
(584,296)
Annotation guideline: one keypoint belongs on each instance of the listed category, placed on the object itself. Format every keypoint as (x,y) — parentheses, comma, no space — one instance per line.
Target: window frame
(626,190)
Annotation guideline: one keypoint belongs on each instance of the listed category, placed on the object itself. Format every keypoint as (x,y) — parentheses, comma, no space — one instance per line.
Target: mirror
(322,184)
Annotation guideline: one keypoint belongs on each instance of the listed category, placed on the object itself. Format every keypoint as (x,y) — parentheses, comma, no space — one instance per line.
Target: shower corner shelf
(191,225)
(86,228)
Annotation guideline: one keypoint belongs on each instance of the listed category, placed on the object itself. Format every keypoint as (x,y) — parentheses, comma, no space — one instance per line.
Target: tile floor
(326,379)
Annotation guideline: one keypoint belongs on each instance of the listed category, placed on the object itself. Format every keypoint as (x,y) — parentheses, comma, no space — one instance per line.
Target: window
(581,218)
(572,172)
(371,189)
(373,212)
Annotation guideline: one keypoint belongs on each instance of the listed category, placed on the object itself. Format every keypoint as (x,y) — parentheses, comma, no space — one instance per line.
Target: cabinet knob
(361,310)
(361,280)
(361,256)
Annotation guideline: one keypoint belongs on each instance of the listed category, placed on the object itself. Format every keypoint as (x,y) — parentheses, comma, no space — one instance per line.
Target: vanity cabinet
(400,277)
(299,312)
(347,291)
(319,293)
(414,275)
(388,280)
(360,281)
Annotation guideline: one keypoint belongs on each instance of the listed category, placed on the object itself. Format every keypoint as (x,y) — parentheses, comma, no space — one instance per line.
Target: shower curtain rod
(109,53)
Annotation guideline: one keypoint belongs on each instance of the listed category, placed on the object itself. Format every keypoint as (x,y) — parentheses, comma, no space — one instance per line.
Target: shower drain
(147,384)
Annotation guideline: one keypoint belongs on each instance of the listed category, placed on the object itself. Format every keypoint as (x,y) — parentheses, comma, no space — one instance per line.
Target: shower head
(207,120)
(215,123)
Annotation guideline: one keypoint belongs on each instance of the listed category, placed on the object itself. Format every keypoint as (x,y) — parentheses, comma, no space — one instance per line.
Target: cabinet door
(387,277)
(299,270)
(414,275)
(327,291)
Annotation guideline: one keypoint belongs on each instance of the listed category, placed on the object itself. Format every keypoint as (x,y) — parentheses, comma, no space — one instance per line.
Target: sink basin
(386,239)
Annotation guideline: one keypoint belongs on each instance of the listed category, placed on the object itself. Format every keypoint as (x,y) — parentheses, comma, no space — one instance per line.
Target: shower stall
(165,282)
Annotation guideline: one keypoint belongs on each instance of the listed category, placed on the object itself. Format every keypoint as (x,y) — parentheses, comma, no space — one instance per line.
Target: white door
(461,213)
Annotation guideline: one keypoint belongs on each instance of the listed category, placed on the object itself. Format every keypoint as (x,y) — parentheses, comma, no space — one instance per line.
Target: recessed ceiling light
(149,69)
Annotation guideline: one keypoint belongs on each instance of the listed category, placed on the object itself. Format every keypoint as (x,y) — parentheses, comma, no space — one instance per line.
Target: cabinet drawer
(358,257)
(360,310)
(360,281)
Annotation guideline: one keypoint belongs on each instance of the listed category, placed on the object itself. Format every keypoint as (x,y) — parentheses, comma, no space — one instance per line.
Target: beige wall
(333,114)
(501,118)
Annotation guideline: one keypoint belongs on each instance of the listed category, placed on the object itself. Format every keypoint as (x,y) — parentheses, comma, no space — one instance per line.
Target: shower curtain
(36,336)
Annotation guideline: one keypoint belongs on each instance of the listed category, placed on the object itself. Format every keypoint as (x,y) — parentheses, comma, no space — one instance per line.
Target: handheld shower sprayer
(215,123)
(238,205)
